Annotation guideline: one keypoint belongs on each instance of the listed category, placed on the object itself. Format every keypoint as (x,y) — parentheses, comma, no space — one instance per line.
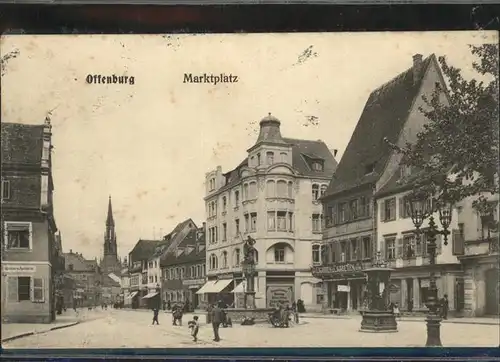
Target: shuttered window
(12,289)
(458,247)
(23,288)
(38,290)
(399,248)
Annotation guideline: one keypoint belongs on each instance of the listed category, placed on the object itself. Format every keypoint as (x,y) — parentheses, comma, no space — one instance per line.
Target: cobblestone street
(133,329)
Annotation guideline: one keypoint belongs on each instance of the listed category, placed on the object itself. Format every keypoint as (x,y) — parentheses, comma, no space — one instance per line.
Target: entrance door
(492,291)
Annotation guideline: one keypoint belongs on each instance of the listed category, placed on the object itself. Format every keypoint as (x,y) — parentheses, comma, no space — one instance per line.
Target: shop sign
(337,268)
(193,282)
(393,288)
(18,269)
(343,288)
(225,276)
(279,294)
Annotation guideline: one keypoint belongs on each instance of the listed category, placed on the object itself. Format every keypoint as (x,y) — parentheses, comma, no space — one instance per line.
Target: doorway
(492,291)
(409,295)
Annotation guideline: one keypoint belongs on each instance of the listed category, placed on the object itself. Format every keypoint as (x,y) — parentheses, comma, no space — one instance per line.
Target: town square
(316,198)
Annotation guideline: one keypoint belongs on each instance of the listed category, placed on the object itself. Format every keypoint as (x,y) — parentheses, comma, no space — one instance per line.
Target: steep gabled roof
(143,249)
(174,238)
(191,240)
(21,143)
(384,115)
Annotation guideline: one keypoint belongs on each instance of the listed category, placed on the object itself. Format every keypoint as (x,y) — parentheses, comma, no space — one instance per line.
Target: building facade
(392,114)
(183,271)
(29,255)
(272,196)
(480,259)
(138,268)
(87,276)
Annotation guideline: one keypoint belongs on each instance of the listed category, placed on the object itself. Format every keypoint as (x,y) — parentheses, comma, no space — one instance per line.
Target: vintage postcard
(250,190)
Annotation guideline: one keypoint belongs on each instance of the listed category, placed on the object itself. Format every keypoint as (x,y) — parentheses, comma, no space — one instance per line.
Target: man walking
(217,318)
(155,315)
(444,306)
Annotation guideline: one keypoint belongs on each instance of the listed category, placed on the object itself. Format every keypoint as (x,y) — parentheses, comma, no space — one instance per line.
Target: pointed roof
(109,220)
(384,116)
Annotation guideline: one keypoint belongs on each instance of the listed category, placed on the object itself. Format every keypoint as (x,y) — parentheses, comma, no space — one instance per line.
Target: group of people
(282,314)
(442,308)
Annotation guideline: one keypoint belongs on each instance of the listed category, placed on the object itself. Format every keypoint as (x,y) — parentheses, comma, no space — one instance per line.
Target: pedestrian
(155,315)
(216,321)
(209,313)
(444,306)
(295,313)
(396,310)
(410,306)
(194,326)
(169,306)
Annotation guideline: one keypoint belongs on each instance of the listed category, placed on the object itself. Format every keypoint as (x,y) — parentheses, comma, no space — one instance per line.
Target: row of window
(191,272)
(153,279)
(152,264)
(408,246)
(213,260)
(177,296)
(318,191)
(355,249)
(388,209)
(348,211)
(5,190)
(256,160)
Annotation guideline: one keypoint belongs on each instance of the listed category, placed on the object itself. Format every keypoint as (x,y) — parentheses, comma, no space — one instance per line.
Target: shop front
(345,285)
(192,286)
(26,292)
(220,289)
(410,286)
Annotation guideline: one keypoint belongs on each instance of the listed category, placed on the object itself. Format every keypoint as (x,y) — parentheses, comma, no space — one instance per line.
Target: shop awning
(220,285)
(133,294)
(240,288)
(150,295)
(206,287)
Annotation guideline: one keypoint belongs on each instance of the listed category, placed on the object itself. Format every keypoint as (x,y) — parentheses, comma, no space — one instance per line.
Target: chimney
(417,67)
(335,153)
(71,251)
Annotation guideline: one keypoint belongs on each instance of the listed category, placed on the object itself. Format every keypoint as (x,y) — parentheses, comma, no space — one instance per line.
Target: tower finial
(109,219)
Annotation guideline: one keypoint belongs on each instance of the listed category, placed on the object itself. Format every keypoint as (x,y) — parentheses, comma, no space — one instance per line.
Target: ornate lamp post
(422,207)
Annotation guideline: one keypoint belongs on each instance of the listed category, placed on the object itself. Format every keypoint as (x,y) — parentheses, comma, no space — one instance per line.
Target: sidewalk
(464,320)
(69,318)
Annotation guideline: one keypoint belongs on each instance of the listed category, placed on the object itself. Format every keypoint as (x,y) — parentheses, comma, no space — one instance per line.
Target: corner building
(272,196)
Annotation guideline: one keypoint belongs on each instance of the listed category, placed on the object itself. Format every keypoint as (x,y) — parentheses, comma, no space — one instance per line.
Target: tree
(460,136)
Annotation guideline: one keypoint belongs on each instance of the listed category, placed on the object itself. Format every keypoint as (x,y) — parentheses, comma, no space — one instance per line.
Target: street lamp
(421,207)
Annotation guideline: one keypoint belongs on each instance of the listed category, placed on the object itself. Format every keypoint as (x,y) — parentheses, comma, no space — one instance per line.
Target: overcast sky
(149,145)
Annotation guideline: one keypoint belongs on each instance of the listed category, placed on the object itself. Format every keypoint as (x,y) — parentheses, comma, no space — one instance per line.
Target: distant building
(30,257)
(138,269)
(87,277)
(272,196)
(183,270)
(110,263)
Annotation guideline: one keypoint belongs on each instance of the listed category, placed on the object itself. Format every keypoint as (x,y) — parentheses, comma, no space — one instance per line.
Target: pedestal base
(433,331)
(378,322)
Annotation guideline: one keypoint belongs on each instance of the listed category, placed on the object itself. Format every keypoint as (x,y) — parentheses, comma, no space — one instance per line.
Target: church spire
(110,221)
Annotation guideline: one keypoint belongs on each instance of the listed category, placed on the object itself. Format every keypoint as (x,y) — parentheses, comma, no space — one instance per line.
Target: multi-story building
(392,113)
(138,267)
(480,258)
(87,276)
(407,253)
(29,256)
(183,270)
(272,196)
(164,247)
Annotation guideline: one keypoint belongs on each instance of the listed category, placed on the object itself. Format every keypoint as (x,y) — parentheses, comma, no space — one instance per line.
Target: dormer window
(283,157)
(317,166)
(252,161)
(369,168)
(270,158)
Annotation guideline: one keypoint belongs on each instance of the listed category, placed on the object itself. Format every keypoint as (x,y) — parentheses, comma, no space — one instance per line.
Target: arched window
(270,157)
(245,192)
(224,259)
(237,257)
(279,253)
(283,157)
(213,262)
(315,192)
(258,159)
(236,198)
(323,189)
(290,189)
(271,188)
(282,188)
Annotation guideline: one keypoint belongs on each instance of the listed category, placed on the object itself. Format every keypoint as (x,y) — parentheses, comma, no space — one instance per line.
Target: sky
(149,144)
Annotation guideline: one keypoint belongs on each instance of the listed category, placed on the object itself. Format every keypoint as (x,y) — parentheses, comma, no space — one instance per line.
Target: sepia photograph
(250,190)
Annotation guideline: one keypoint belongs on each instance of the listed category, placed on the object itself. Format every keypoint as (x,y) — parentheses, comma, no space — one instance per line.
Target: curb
(414,320)
(27,334)
(18,336)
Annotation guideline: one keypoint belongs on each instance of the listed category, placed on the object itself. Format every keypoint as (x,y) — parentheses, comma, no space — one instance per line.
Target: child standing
(194,326)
